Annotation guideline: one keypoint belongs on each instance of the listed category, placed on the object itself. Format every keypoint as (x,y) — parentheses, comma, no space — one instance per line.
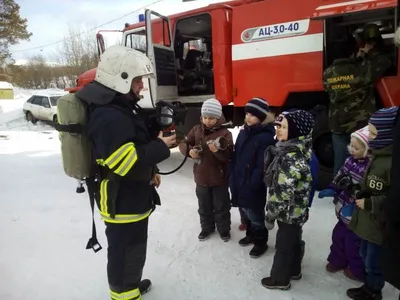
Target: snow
(46,226)
(12,117)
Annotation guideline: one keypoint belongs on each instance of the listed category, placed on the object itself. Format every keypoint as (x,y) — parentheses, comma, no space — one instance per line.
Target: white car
(41,107)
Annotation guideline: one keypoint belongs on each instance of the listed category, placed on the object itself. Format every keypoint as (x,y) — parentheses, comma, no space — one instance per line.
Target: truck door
(160,51)
(343,20)
(101,44)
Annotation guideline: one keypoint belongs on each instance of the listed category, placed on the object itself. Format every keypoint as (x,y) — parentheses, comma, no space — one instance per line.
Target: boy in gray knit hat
(211,145)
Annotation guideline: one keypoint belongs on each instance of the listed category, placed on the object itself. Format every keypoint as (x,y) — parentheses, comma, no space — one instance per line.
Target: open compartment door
(348,7)
(160,51)
(113,37)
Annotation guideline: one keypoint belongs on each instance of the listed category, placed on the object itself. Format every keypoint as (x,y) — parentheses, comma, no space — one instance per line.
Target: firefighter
(126,154)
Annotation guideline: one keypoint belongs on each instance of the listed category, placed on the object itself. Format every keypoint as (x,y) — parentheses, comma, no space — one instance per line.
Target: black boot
(248,239)
(351,293)
(204,235)
(260,243)
(362,293)
(144,286)
(366,294)
(225,236)
(258,250)
(272,284)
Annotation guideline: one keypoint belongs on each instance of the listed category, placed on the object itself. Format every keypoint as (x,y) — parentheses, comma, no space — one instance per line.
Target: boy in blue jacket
(246,178)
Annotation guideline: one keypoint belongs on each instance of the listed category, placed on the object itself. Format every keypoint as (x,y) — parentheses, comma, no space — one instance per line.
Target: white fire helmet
(397,37)
(118,65)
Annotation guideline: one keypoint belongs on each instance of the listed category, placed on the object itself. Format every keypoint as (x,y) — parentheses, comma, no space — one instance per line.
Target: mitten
(348,209)
(326,193)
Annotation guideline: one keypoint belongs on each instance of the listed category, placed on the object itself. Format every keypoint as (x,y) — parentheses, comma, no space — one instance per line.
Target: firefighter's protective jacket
(127,154)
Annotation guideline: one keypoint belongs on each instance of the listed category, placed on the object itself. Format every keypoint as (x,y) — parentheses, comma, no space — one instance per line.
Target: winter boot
(205,235)
(365,294)
(271,284)
(331,268)
(225,236)
(144,286)
(352,293)
(258,250)
(243,227)
(260,243)
(248,239)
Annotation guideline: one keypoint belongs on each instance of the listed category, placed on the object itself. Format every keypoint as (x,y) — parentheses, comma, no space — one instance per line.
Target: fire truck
(274,49)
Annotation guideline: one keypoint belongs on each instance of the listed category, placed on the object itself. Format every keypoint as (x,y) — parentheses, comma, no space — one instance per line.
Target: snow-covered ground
(45,227)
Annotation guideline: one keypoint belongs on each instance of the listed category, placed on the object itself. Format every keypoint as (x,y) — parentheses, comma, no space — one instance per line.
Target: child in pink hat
(344,254)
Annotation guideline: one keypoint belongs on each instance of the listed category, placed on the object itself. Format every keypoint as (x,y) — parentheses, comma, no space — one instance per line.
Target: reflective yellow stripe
(104,195)
(129,295)
(127,163)
(118,155)
(124,218)
(123,158)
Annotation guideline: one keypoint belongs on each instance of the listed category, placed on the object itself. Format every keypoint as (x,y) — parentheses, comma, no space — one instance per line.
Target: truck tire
(322,146)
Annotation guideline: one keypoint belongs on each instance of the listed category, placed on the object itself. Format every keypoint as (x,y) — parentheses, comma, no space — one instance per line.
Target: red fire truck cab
(275,49)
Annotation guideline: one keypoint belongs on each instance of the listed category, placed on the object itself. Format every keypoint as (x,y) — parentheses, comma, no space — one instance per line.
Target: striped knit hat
(211,108)
(383,120)
(258,107)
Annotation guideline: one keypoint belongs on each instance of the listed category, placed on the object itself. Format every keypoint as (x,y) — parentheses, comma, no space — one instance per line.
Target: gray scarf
(273,158)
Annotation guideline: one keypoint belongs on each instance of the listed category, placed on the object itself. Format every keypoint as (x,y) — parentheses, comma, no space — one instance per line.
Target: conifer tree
(12,28)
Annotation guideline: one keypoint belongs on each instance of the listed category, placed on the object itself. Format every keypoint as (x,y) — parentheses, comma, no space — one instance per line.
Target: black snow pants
(214,208)
(127,245)
(289,253)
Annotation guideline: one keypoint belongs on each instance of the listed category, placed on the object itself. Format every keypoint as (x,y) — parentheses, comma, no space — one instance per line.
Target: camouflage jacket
(352,100)
(289,179)
(375,64)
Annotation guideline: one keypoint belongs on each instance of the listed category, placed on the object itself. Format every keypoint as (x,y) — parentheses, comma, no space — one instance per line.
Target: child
(314,166)
(246,180)
(211,169)
(289,179)
(367,217)
(345,248)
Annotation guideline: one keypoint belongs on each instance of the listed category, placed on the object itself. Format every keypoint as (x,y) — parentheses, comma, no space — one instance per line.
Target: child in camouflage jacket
(288,176)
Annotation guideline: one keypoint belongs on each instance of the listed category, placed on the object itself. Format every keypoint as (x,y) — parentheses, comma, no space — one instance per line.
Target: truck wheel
(323,148)
(55,120)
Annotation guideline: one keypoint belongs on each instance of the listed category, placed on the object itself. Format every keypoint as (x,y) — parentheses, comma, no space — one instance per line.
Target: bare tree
(78,51)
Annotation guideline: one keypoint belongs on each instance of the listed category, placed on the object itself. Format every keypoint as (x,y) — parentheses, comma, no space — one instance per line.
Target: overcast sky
(48,20)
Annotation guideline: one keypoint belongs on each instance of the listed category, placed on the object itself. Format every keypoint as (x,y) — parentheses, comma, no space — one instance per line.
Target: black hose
(181,165)
(226,125)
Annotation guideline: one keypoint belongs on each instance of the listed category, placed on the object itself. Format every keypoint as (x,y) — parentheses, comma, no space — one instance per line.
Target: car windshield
(53,100)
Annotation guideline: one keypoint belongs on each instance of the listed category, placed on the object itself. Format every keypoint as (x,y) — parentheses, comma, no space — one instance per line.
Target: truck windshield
(136,41)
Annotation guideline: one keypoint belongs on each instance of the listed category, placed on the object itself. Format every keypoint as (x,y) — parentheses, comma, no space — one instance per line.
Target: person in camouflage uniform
(350,82)
(288,176)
